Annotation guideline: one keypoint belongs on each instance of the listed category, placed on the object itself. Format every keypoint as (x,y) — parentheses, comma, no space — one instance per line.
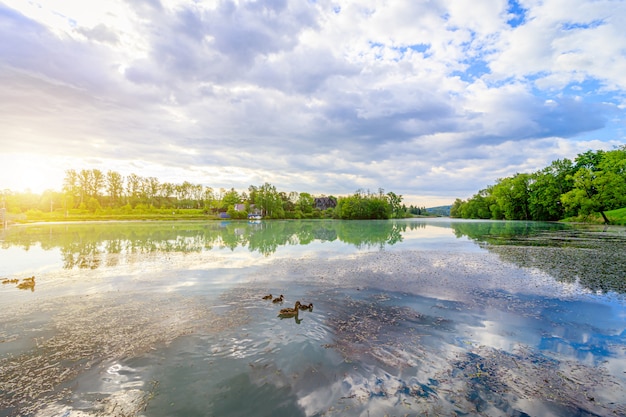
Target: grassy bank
(616,217)
(32,216)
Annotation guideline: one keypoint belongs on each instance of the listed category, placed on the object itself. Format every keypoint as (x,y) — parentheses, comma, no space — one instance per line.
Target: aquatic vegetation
(93,330)
(374,329)
(494,381)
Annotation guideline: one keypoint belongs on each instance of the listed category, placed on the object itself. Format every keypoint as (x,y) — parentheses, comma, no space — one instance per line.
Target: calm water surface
(410,317)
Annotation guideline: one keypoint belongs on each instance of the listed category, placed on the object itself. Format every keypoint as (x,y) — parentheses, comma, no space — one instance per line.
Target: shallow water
(411,317)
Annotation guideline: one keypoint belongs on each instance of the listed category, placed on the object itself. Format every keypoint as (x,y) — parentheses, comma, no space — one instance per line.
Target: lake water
(410,317)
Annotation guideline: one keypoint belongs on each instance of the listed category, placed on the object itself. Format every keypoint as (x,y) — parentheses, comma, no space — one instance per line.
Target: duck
(278,299)
(27,284)
(268,297)
(290,312)
(306,306)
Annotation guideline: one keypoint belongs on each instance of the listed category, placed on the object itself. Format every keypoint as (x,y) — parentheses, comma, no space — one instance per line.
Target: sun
(30,172)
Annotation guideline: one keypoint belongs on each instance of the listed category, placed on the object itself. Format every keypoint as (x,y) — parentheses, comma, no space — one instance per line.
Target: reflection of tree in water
(596,259)
(83,255)
(371,233)
(88,246)
(502,233)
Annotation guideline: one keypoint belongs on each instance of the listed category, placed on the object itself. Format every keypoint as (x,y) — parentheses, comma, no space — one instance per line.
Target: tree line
(97,192)
(594,182)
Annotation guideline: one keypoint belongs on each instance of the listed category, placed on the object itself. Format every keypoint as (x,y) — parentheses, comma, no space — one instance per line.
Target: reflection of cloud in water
(501,364)
(392,332)
(83,332)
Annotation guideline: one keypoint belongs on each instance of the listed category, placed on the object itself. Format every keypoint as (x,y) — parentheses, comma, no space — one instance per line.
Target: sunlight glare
(35,173)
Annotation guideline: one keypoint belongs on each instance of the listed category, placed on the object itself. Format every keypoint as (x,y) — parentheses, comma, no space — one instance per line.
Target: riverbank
(79,216)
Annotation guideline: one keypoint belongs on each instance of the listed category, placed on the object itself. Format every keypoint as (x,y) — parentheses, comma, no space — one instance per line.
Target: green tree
(133,189)
(268,201)
(166,193)
(512,195)
(84,184)
(152,188)
(114,187)
(230,198)
(71,189)
(395,201)
(481,205)
(546,188)
(305,203)
(455,210)
(363,205)
(208,198)
(599,183)
(97,184)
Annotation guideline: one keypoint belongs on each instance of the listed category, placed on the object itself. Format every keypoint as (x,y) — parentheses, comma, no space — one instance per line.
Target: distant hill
(440,210)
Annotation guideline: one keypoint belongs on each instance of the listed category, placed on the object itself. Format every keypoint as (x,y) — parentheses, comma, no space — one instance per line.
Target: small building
(324,203)
(252,212)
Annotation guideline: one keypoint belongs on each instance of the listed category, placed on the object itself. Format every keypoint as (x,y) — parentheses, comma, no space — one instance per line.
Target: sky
(433,100)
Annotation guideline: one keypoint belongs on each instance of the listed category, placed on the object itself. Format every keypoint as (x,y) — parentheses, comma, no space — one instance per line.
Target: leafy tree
(305,203)
(93,205)
(252,192)
(268,201)
(546,188)
(599,185)
(167,190)
(114,187)
(590,160)
(455,210)
(71,188)
(234,214)
(97,183)
(512,197)
(133,188)
(230,198)
(288,205)
(395,201)
(362,205)
(481,206)
(152,188)
(84,184)
(208,198)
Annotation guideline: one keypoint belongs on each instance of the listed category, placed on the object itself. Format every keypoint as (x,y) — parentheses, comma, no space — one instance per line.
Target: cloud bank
(432,100)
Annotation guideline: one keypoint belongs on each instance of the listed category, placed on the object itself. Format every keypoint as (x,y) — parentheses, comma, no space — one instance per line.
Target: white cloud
(328,96)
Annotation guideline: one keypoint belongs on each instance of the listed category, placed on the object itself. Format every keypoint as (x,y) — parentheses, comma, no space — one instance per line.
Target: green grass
(617,216)
(32,216)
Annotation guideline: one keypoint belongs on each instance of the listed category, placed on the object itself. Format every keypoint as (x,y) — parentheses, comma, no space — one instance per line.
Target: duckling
(27,284)
(290,312)
(268,297)
(278,299)
(306,306)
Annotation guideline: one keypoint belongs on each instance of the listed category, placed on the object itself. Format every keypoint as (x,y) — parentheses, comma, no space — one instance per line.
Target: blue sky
(433,100)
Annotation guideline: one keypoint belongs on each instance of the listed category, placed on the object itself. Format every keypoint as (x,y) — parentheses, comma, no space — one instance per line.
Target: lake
(409,317)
